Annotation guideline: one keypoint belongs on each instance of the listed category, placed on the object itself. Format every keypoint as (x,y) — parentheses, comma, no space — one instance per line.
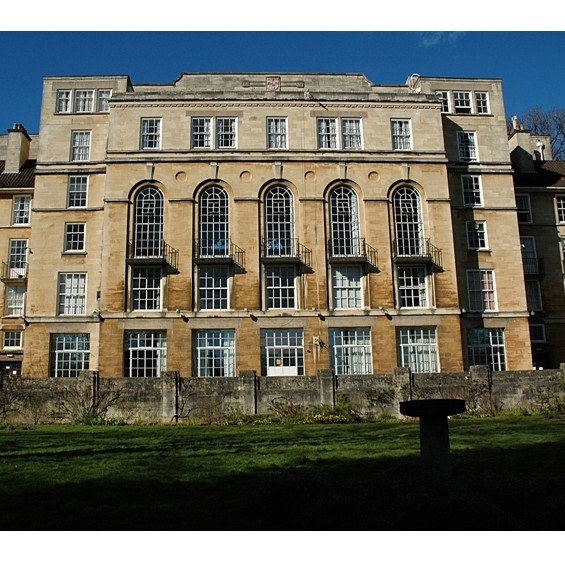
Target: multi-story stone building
(274,223)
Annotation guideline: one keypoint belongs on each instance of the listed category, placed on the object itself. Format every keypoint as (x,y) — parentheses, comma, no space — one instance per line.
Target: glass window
(560,203)
(84,100)
(443,96)
(346,287)
(282,352)
(401,137)
(351,351)
(351,133)
(472,191)
(148,223)
(70,354)
(279,223)
(21,207)
(480,284)
(344,217)
(15,300)
(486,347)
(408,222)
(80,146)
(201,133)
(150,133)
(524,208)
(327,133)
(213,288)
(417,349)
(476,235)
(17,258)
(276,133)
(146,288)
(529,255)
(226,133)
(77,192)
(533,295)
(75,237)
(467,144)
(280,287)
(145,353)
(214,353)
(72,294)
(12,339)
(63,101)
(214,223)
(412,287)
(462,102)
(103,102)
(537,333)
(481,102)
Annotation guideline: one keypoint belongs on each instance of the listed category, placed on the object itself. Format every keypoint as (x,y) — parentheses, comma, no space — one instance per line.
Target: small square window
(77,192)
(21,206)
(150,133)
(63,105)
(472,191)
(462,102)
(84,100)
(75,237)
(12,339)
(103,100)
(476,235)
(481,102)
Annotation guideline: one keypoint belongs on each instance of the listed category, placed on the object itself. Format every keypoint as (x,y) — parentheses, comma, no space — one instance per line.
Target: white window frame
(17,258)
(103,96)
(83,101)
(487,348)
(71,294)
(462,102)
(347,287)
(351,134)
(476,235)
(277,132)
(280,287)
(201,130)
(214,287)
(524,208)
(401,131)
(214,353)
(327,133)
(21,210)
(12,339)
(560,207)
(69,354)
(146,289)
(481,290)
(282,352)
(145,353)
(75,237)
(412,287)
(467,146)
(351,351)
(482,105)
(80,145)
(445,99)
(335,133)
(64,103)
(226,133)
(77,191)
(417,349)
(15,300)
(472,190)
(150,134)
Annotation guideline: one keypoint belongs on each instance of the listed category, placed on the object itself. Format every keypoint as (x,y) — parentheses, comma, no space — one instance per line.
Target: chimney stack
(17,151)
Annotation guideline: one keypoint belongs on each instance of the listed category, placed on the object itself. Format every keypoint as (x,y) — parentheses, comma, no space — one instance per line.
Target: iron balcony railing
(140,252)
(11,272)
(417,249)
(220,250)
(353,249)
(286,249)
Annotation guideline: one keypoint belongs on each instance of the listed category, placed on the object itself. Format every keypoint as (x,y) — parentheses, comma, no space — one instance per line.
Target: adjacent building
(276,223)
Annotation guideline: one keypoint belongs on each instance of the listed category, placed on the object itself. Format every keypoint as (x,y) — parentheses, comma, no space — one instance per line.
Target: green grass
(508,474)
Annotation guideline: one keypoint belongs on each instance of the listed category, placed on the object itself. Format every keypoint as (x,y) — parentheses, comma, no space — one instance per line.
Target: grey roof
(24,179)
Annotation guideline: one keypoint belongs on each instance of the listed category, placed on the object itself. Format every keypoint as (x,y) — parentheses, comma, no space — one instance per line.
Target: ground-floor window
(145,353)
(214,353)
(69,354)
(486,347)
(351,351)
(282,352)
(417,349)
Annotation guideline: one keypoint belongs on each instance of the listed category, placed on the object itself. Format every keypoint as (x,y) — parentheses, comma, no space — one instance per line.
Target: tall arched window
(408,222)
(148,223)
(214,222)
(344,220)
(279,222)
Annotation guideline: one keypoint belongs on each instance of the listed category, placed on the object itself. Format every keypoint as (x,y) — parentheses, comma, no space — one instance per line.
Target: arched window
(408,222)
(344,220)
(279,222)
(214,222)
(148,223)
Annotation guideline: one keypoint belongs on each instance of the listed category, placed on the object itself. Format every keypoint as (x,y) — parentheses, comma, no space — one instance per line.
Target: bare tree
(552,123)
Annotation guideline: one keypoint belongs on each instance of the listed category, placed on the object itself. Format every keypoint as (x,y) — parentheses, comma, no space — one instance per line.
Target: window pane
(215,353)
(346,287)
(351,351)
(417,349)
(69,354)
(72,294)
(145,353)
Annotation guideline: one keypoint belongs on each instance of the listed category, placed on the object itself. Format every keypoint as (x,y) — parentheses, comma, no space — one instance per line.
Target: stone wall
(172,398)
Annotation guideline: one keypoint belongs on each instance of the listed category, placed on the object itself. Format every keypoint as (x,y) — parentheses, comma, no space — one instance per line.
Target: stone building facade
(281,224)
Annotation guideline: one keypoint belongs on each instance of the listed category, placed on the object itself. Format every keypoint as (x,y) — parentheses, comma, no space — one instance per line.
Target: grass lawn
(508,474)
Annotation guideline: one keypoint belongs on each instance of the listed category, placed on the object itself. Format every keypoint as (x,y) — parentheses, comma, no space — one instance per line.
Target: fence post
(170,396)
(326,386)
(249,391)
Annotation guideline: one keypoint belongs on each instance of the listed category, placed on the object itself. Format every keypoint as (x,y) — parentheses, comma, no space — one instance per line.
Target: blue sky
(530,64)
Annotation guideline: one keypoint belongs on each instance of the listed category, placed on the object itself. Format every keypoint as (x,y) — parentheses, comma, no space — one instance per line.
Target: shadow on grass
(361,494)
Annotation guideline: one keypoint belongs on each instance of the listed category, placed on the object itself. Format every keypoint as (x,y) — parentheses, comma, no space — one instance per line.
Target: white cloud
(431,38)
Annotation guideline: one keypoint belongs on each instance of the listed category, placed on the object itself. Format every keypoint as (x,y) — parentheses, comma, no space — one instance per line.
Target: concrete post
(327,386)
(170,396)
(249,391)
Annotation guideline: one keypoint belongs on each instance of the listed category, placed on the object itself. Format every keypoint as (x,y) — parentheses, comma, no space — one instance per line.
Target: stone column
(170,396)
(326,384)
(249,386)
